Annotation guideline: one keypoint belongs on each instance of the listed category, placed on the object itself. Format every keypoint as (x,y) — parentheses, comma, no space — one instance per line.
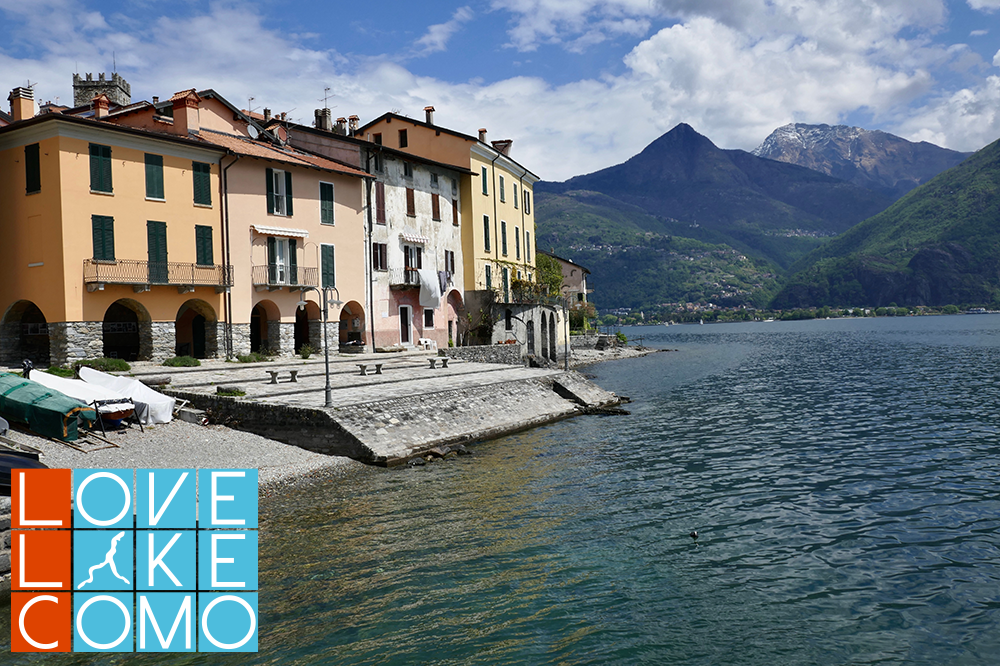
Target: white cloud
(985,5)
(979,33)
(437,36)
(996,59)
(575,23)
(965,120)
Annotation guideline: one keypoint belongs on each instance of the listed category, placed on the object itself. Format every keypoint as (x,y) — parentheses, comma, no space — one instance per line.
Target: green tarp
(45,411)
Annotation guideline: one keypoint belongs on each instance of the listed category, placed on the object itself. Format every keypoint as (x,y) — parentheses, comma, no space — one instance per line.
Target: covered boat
(47,412)
(150,406)
(111,405)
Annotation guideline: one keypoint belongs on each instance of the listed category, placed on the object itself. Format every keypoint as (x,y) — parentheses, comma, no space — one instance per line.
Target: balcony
(143,275)
(403,278)
(273,277)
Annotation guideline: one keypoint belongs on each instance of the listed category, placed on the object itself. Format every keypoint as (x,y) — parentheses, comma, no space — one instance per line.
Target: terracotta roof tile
(182,94)
(250,148)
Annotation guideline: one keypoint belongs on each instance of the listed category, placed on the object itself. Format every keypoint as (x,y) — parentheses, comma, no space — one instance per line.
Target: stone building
(116,89)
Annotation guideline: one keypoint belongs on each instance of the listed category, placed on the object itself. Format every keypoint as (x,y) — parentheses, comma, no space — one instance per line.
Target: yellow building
(112,239)
(498,232)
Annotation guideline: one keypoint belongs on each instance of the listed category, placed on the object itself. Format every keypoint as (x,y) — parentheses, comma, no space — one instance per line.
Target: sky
(578,85)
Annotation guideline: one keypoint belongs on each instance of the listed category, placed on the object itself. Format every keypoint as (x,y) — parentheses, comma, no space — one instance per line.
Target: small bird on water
(694,535)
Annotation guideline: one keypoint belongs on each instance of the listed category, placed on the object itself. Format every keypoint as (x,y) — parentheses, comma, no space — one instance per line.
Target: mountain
(938,245)
(769,209)
(873,159)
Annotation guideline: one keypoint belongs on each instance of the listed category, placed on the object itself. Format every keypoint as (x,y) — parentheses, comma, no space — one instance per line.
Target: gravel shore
(582,357)
(180,444)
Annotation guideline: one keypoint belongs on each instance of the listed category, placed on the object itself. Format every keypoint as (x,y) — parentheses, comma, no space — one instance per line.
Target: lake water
(842,476)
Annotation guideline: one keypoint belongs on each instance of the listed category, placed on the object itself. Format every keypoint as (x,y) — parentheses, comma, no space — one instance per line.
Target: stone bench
(274,376)
(364,369)
(433,362)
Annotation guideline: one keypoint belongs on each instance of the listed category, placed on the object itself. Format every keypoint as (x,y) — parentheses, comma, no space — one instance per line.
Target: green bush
(622,338)
(182,362)
(231,392)
(253,357)
(60,371)
(104,364)
(305,351)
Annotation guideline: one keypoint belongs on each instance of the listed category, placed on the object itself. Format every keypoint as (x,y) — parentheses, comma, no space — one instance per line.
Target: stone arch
(308,326)
(127,331)
(530,325)
(265,327)
(553,352)
(453,313)
(352,324)
(545,336)
(196,330)
(24,334)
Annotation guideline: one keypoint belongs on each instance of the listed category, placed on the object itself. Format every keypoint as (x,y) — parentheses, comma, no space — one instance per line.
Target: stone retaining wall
(586,341)
(505,354)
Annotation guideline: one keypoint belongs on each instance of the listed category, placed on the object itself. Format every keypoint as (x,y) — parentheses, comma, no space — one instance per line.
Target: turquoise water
(842,475)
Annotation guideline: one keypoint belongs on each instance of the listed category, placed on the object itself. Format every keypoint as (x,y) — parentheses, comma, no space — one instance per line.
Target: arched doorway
(552,336)
(545,336)
(531,337)
(25,335)
(196,330)
(352,324)
(454,311)
(265,327)
(127,333)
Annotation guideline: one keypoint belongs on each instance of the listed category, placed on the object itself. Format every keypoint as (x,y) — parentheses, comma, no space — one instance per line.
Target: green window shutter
(269,177)
(154,176)
(293,262)
(203,245)
(100,168)
(503,236)
(486,233)
(202,183)
(272,267)
(327,261)
(156,243)
(486,188)
(288,193)
(326,203)
(32,169)
(103,228)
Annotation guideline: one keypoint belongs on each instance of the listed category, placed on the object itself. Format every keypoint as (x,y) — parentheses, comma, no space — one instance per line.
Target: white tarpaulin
(430,288)
(151,406)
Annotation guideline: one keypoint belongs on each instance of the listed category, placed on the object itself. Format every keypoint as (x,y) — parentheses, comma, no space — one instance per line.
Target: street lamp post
(324,294)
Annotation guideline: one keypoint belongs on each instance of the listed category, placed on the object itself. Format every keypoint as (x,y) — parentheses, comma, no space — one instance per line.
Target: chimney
(503,146)
(156,100)
(342,125)
(101,104)
(324,120)
(185,105)
(353,123)
(283,114)
(482,134)
(267,115)
(22,103)
(429,114)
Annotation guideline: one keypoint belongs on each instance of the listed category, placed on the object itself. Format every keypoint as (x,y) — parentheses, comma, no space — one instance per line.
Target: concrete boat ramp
(409,410)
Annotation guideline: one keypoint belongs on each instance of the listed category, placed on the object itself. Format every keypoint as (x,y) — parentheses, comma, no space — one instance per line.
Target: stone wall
(163,341)
(586,341)
(505,354)
(75,340)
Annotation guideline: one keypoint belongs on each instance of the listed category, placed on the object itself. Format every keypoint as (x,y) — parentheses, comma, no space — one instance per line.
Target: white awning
(411,236)
(280,231)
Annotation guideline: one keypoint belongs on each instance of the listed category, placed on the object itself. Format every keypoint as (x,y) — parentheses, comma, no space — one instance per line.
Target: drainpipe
(227,253)
(496,222)
(369,268)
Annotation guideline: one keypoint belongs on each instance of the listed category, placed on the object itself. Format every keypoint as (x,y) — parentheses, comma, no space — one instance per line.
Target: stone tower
(86,89)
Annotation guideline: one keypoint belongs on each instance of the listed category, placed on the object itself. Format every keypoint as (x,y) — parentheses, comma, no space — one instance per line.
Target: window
(454,187)
(378,163)
(486,186)
(104,237)
(203,245)
(100,168)
(407,170)
(154,177)
(327,266)
(156,249)
(203,183)
(503,197)
(454,212)
(486,233)
(282,261)
(379,203)
(326,203)
(380,257)
(279,192)
(413,257)
(434,180)
(449,262)
(503,237)
(515,196)
(508,320)
(517,243)
(402,138)
(411,205)
(527,246)
(32,170)
(527,202)
(506,285)
(428,318)
(435,207)
(378,138)
(489,277)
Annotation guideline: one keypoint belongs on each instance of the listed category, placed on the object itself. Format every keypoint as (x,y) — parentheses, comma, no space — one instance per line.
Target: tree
(549,274)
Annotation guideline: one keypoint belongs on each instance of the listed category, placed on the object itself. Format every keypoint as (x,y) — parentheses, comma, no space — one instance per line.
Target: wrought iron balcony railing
(145,274)
(274,276)
(403,277)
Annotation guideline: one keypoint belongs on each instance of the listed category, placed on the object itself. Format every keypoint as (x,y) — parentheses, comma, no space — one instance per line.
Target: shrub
(104,364)
(305,351)
(230,392)
(182,362)
(60,371)
(622,338)
(253,357)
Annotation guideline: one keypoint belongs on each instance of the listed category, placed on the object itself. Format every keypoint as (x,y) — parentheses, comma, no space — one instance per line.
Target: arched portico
(352,324)
(24,334)
(196,330)
(127,331)
(265,327)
